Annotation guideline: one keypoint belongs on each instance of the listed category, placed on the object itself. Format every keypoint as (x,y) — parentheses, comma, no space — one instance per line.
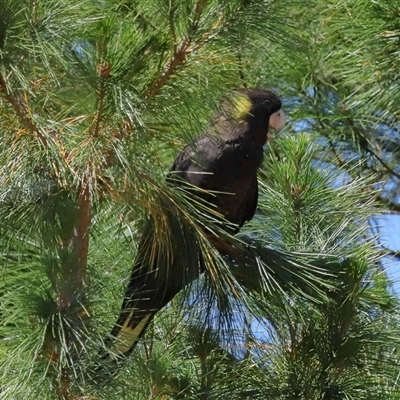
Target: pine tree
(96,100)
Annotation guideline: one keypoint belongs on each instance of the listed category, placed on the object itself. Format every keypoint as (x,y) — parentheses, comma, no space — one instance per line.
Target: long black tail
(163,267)
(146,294)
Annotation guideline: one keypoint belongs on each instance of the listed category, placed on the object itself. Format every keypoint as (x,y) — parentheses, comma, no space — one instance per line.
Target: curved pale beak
(277,121)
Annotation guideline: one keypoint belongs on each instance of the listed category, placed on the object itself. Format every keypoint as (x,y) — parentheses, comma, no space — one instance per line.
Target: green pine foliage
(342,85)
(97,98)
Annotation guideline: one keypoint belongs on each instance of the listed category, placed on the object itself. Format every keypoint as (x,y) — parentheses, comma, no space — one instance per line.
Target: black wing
(195,164)
(250,203)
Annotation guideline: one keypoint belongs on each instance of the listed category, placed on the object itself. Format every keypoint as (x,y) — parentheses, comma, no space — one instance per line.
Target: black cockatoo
(220,168)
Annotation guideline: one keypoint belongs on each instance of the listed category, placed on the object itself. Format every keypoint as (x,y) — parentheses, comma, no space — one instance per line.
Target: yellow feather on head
(241,106)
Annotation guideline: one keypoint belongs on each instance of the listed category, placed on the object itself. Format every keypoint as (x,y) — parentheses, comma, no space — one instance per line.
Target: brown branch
(104,70)
(391,253)
(72,283)
(34,11)
(80,241)
(63,386)
(180,52)
(178,58)
(22,112)
(242,76)
(385,251)
(198,10)
(73,275)
(172,27)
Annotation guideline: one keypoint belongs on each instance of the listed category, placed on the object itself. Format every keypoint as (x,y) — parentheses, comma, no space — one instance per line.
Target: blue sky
(389,228)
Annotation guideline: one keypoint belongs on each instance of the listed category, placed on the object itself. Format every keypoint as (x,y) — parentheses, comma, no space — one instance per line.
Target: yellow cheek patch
(241,106)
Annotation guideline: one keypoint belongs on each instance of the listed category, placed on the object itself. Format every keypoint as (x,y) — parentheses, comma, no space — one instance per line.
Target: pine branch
(385,165)
(63,387)
(385,251)
(179,57)
(22,111)
(363,140)
(337,156)
(104,71)
(198,10)
(180,51)
(81,233)
(74,272)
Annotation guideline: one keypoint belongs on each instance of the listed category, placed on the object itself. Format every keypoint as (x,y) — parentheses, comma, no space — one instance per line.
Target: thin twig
(100,108)
(104,71)
(240,69)
(34,11)
(385,165)
(178,58)
(172,30)
(22,111)
(198,10)
(339,160)
(360,134)
(180,52)
(385,251)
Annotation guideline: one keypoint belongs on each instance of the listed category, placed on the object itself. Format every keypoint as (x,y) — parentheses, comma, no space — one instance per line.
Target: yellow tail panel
(127,336)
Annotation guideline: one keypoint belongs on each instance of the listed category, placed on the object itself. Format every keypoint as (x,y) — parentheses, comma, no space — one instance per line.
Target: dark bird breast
(226,171)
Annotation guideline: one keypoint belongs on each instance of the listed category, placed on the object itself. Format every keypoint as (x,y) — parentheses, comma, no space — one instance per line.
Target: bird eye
(266,103)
